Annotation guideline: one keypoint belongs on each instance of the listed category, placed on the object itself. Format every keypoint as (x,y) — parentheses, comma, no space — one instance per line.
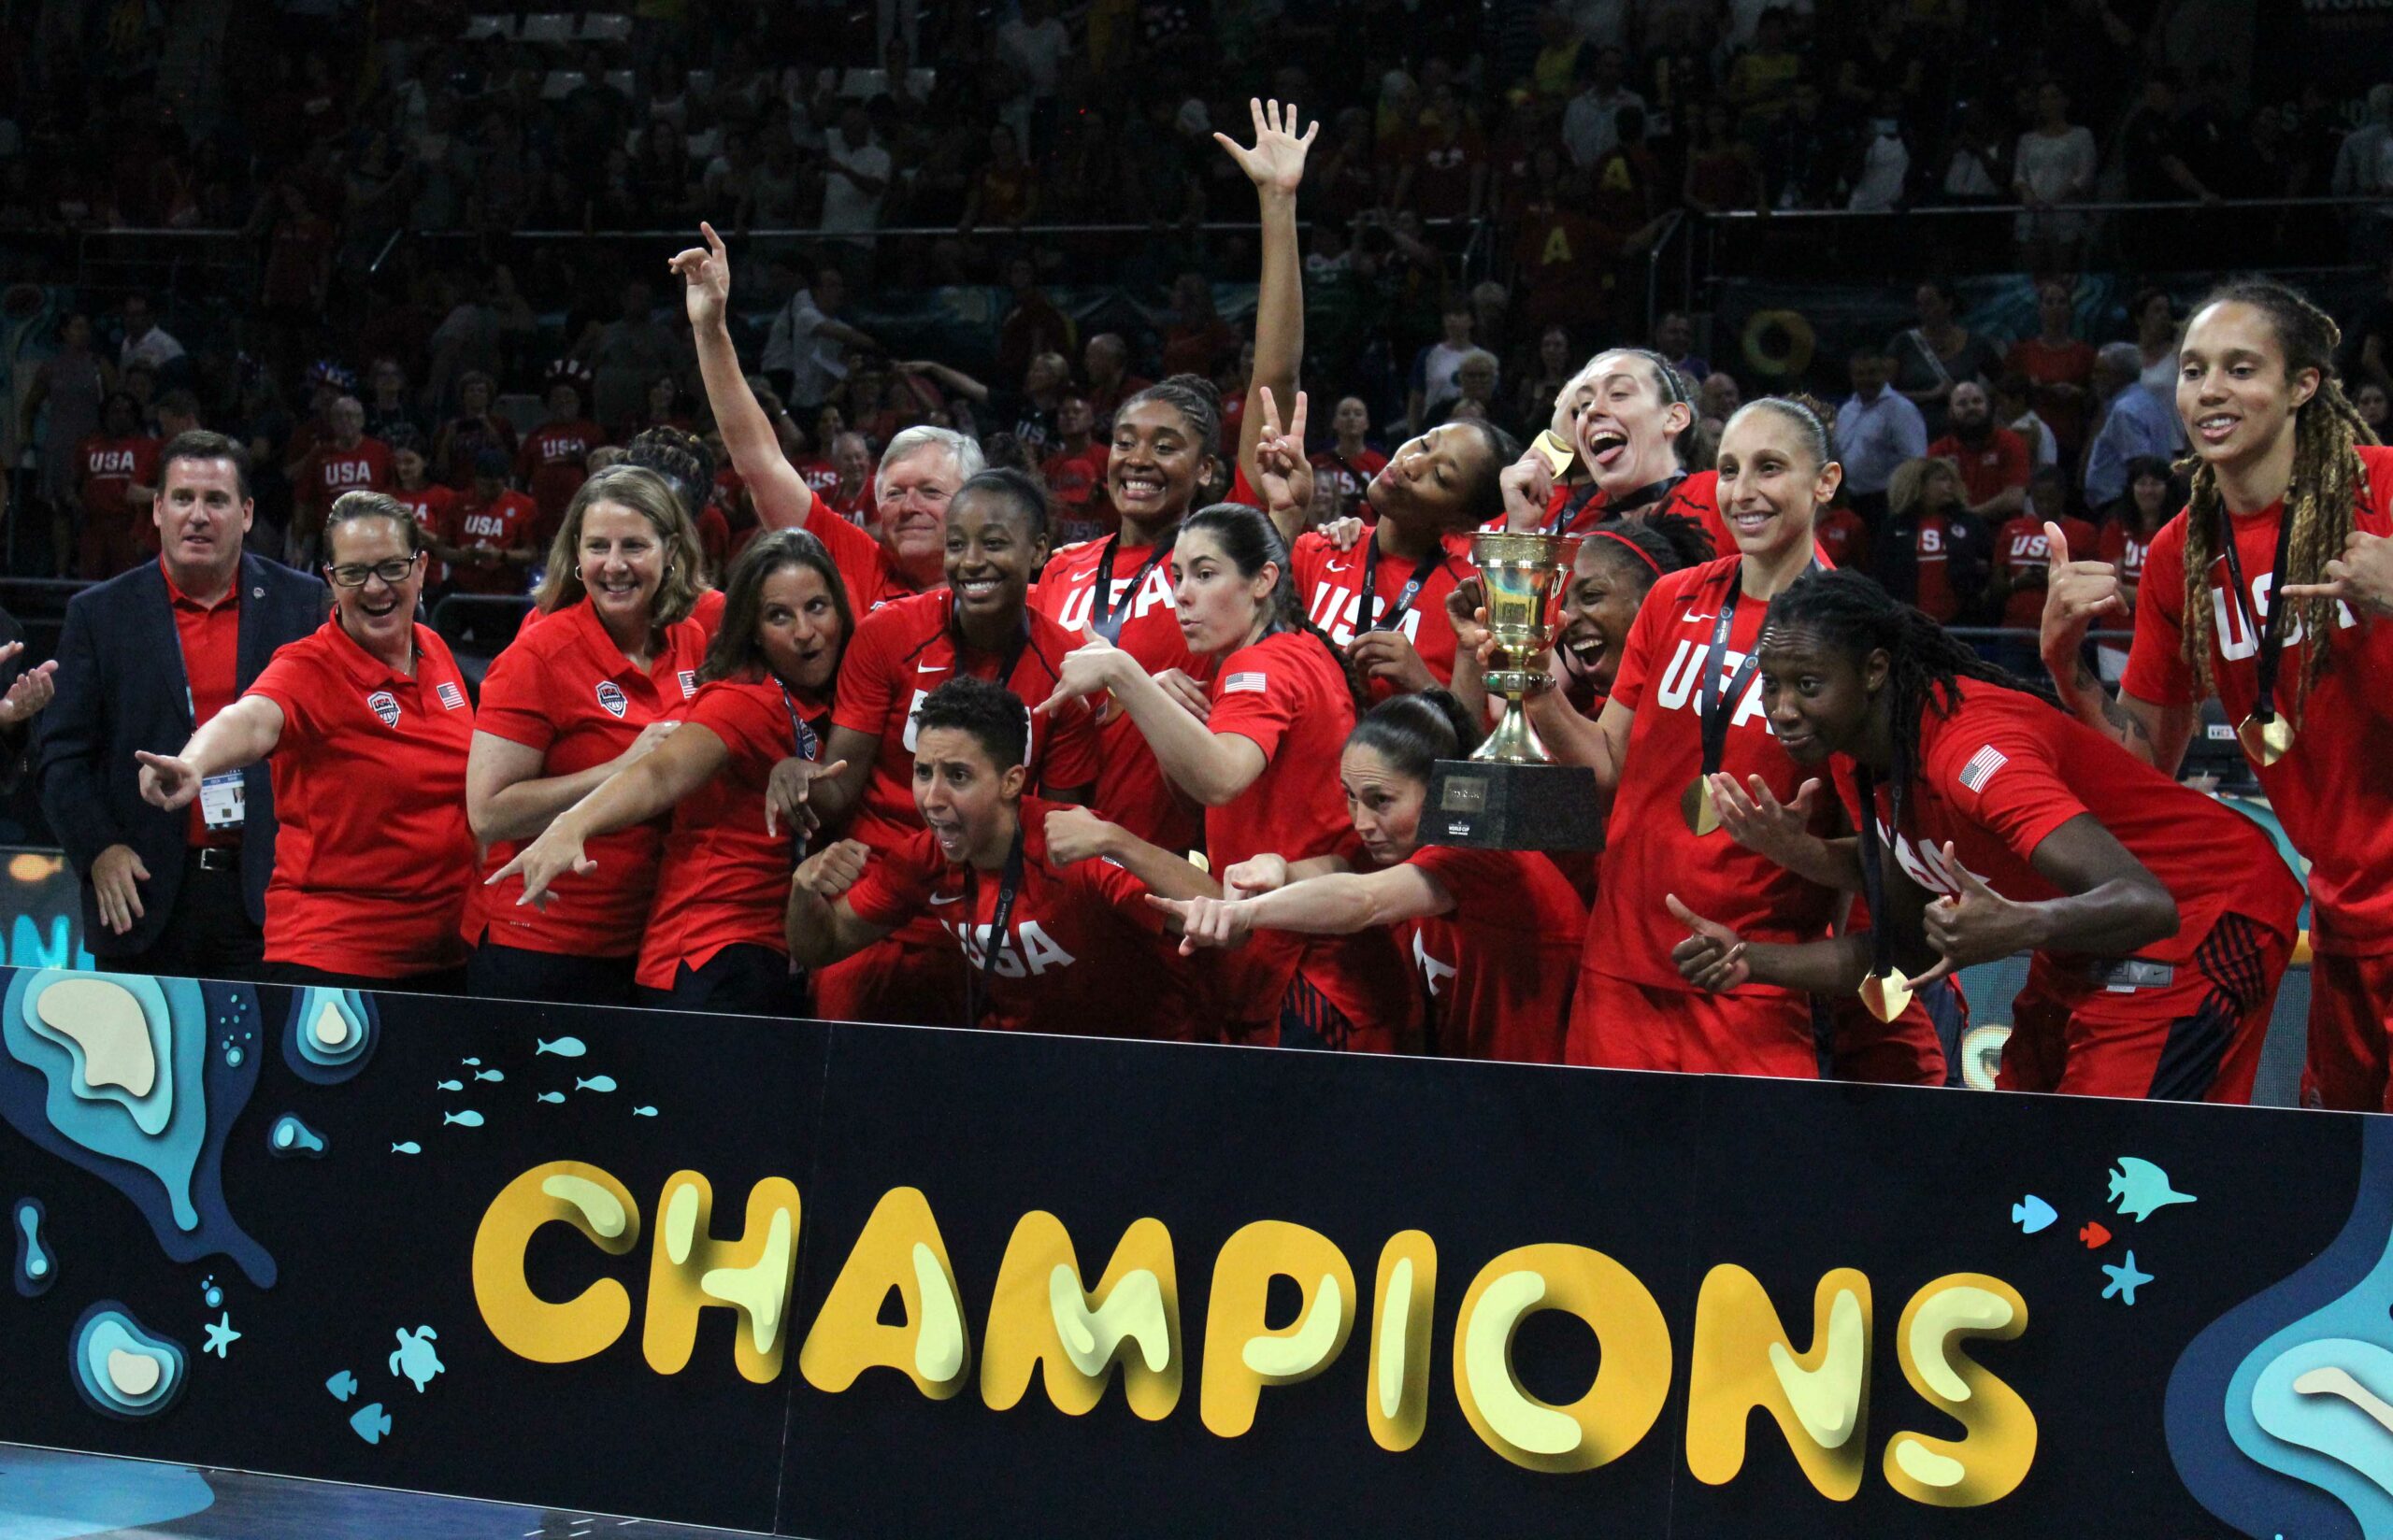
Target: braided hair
(1249,538)
(1195,398)
(1924,663)
(2319,499)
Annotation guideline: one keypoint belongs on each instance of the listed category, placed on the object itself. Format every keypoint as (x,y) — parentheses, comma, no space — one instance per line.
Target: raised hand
(2362,577)
(705,272)
(2076,593)
(1279,459)
(787,789)
(1712,957)
(1343,535)
(1979,926)
(1277,162)
(831,870)
(167,781)
(1527,485)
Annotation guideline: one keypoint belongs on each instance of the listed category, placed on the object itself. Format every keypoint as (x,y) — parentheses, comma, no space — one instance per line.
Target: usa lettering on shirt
(1433,973)
(1029,951)
(109,462)
(557,448)
(349,473)
(1335,611)
(2030,551)
(2236,639)
(1927,866)
(486,525)
(1676,692)
(1931,544)
(1078,607)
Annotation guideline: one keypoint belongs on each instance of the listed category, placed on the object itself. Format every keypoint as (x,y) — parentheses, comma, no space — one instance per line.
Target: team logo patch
(1982,767)
(611,696)
(689,677)
(1249,682)
(386,705)
(451,696)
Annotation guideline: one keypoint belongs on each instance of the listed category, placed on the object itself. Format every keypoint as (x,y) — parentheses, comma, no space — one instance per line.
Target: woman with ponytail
(1495,933)
(2160,921)
(2291,499)
(1263,763)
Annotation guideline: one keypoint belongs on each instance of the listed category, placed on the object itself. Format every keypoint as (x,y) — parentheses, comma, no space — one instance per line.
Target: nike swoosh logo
(1691,616)
(931,668)
(955,898)
(1338,566)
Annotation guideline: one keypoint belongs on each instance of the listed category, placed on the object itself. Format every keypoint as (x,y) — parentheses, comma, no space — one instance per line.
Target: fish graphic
(469,1061)
(596,1082)
(462,1120)
(2031,1214)
(564,1047)
(490,1075)
(551,1096)
(370,1423)
(643,1112)
(451,1085)
(2139,1187)
(410,1147)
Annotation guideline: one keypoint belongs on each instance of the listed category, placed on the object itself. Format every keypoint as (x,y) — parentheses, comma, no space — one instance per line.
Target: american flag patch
(1982,767)
(1250,682)
(451,696)
(689,683)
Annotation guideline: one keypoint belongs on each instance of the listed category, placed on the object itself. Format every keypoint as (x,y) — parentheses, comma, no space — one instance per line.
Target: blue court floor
(45,1494)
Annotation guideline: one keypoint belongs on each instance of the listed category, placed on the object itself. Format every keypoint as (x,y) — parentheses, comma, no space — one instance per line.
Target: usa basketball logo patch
(451,696)
(612,697)
(386,705)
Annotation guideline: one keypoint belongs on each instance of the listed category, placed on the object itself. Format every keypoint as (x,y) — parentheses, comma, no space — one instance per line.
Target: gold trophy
(1510,794)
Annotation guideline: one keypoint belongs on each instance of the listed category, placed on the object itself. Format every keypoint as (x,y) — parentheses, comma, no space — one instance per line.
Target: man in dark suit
(144,659)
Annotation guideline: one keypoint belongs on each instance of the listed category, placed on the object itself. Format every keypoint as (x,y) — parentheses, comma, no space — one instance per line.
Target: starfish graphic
(221,1336)
(2124,1281)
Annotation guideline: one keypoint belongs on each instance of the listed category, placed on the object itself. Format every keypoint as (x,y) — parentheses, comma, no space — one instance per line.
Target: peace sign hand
(1277,162)
(1979,926)
(1712,957)
(1280,461)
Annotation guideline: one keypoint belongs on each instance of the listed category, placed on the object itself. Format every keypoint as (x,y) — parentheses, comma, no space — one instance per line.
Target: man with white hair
(919,472)
(2136,422)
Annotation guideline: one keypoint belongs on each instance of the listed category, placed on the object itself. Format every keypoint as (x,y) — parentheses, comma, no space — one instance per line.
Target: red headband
(1633,547)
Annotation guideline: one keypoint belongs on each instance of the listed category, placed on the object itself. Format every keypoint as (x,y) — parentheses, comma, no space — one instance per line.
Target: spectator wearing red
(1350,462)
(850,495)
(491,538)
(1933,551)
(1844,538)
(2059,365)
(2023,558)
(1196,340)
(344,461)
(1074,472)
(1107,359)
(2131,524)
(365,724)
(431,503)
(1032,323)
(1993,461)
(116,479)
(555,455)
(475,428)
(1043,944)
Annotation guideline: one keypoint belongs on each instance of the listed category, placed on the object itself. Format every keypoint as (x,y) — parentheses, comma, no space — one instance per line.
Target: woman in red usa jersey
(1494,934)
(1263,762)
(365,725)
(1685,705)
(2160,920)
(714,938)
(1631,427)
(981,625)
(1045,945)
(2292,501)
(586,694)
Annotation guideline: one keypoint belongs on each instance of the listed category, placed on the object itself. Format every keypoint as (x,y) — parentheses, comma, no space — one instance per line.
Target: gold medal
(1886,994)
(1555,451)
(2268,741)
(1696,805)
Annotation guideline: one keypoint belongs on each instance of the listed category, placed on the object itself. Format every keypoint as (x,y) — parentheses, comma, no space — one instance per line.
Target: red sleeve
(2157,668)
(1645,635)
(856,554)
(1470,877)
(513,705)
(1240,491)
(290,683)
(1071,757)
(897,881)
(2019,797)
(1124,895)
(1305,561)
(866,701)
(2014,457)
(525,527)
(1254,697)
(757,731)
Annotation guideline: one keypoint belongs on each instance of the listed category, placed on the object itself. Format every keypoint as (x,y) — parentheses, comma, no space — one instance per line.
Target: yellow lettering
(559,1192)
(1993,1457)
(1742,1358)
(900,1249)
(1241,1356)
(1632,1381)
(1040,1317)
(1396,1403)
(689,1270)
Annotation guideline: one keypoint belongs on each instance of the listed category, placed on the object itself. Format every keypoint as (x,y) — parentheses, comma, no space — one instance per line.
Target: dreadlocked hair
(1249,538)
(1924,663)
(2319,499)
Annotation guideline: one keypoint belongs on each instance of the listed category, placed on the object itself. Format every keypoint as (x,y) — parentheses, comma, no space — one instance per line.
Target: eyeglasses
(395,570)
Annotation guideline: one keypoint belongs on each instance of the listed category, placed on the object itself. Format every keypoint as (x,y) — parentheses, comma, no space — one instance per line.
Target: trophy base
(1494,806)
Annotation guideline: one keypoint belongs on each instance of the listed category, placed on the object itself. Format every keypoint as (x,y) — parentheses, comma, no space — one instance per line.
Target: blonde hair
(646,493)
(1907,488)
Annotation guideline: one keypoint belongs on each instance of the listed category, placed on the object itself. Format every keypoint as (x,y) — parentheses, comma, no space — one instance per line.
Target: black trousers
(209,934)
(438,981)
(500,972)
(744,979)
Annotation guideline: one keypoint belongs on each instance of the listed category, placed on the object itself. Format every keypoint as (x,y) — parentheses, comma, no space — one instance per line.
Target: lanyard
(1713,711)
(2272,636)
(1107,619)
(1396,612)
(1874,877)
(809,746)
(976,985)
(1652,492)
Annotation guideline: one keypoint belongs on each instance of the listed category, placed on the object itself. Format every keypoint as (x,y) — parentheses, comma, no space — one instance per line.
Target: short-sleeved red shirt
(1330,583)
(2023,556)
(1843,537)
(723,881)
(872,579)
(553,464)
(1649,851)
(2125,550)
(504,524)
(331,471)
(1131,788)
(566,690)
(432,505)
(903,651)
(1498,967)
(1081,952)
(111,469)
(2331,791)
(1696,496)
(2005,770)
(1348,476)
(1990,468)
(373,856)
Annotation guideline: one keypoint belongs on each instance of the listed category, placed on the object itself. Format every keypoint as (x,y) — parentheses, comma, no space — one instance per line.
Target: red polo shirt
(210,636)
(568,690)
(374,859)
